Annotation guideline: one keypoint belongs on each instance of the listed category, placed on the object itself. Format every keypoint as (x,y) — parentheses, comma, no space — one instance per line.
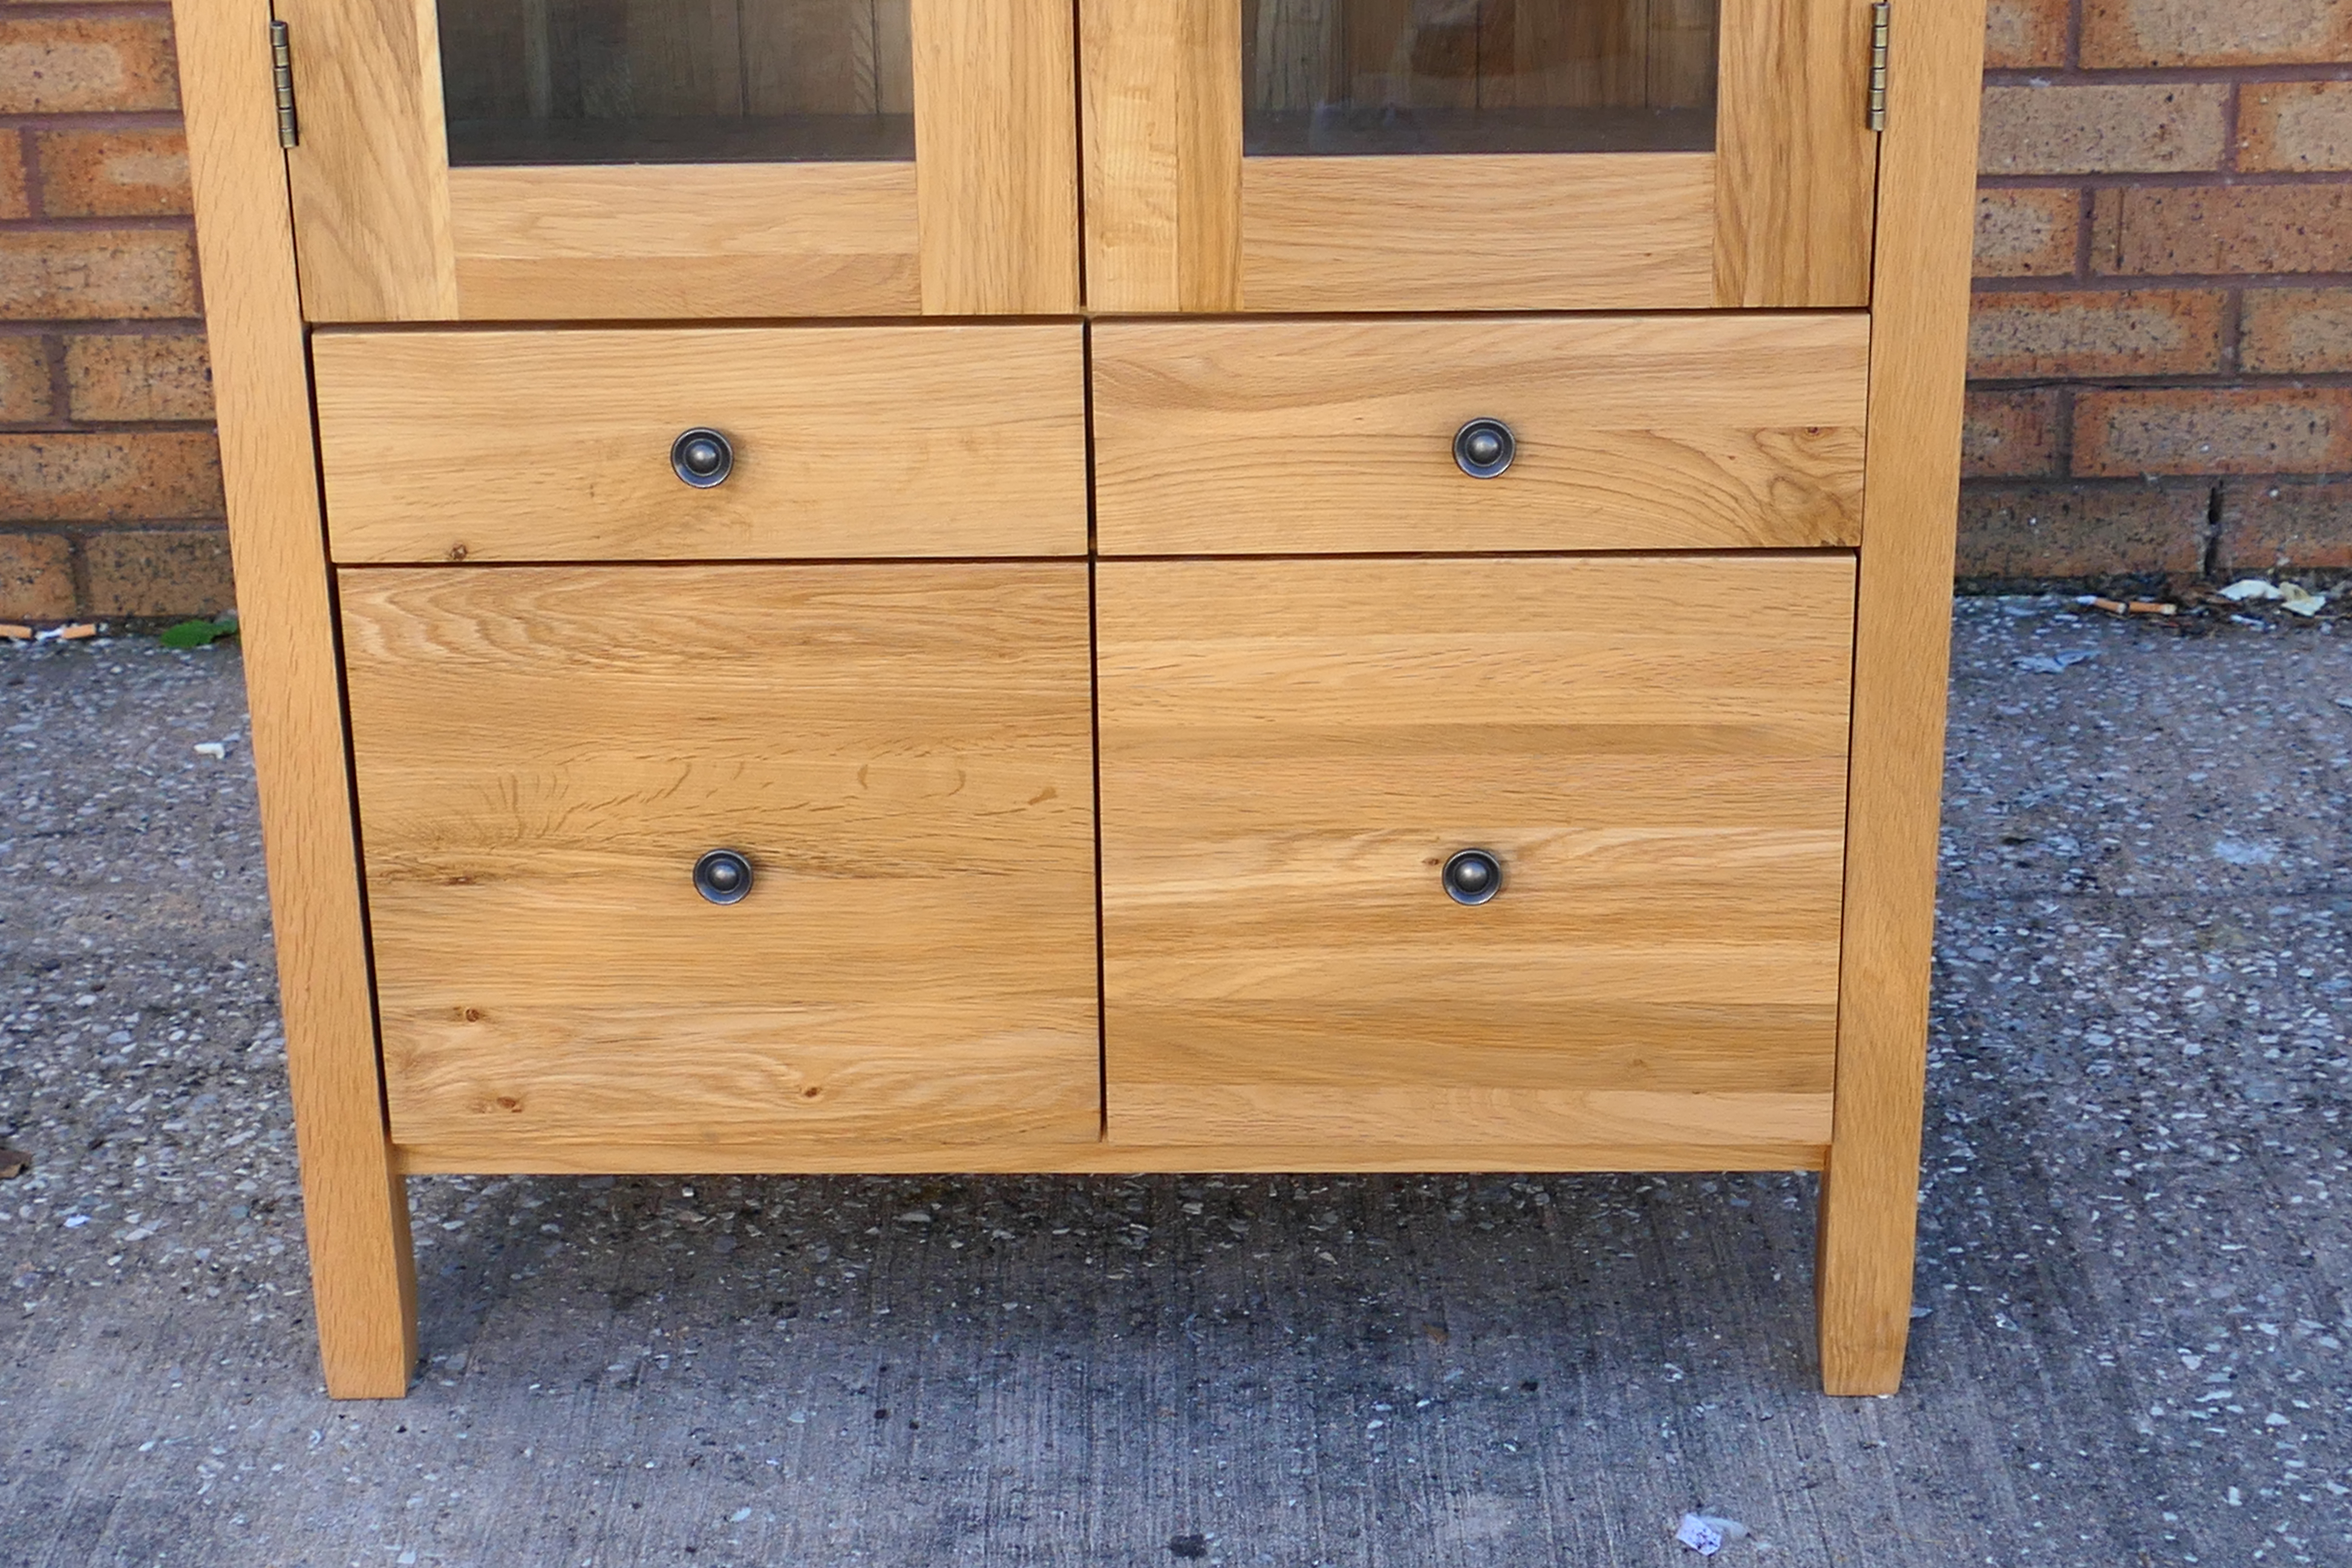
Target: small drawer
(846,442)
(1293,752)
(902,754)
(1624,432)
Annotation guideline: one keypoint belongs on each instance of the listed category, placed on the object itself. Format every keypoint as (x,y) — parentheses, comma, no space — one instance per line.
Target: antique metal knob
(1471,877)
(1484,448)
(702,458)
(723,875)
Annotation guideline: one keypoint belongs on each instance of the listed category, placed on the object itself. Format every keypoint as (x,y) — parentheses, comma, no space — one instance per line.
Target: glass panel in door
(678,82)
(1339,78)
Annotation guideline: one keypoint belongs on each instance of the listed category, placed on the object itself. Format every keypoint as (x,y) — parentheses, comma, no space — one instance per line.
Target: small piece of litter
(217,750)
(739,1516)
(1918,1312)
(14,1163)
(2054,663)
(17,633)
(2246,588)
(76,633)
(1706,1534)
(2297,600)
(2128,607)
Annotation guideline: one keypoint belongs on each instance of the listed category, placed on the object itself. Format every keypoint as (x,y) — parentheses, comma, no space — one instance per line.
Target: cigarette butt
(16,634)
(2113,606)
(2150,607)
(76,633)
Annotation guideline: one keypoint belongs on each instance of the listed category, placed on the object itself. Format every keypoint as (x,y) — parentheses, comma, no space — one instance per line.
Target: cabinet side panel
(996,157)
(1795,157)
(371,177)
(1902,657)
(353,1204)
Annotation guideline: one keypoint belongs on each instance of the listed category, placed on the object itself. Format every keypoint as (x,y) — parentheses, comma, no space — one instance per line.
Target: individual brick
(159,572)
(2213,430)
(2081,530)
(2153,231)
(2267,527)
(35,577)
(23,378)
(2136,332)
(113,174)
(124,376)
(79,65)
(2022,34)
(2296,332)
(2159,128)
(70,475)
(2027,233)
(96,274)
(14,202)
(2296,126)
(2132,33)
(2011,435)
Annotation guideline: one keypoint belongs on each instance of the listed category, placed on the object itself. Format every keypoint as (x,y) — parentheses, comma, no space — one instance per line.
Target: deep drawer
(1292,751)
(1631,433)
(847,442)
(902,753)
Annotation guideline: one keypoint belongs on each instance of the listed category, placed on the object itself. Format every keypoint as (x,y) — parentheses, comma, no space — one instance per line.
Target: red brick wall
(2162,345)
(109,478)
(2161,352)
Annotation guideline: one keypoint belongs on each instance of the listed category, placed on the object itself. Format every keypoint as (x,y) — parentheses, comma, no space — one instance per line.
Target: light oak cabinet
(1150,584)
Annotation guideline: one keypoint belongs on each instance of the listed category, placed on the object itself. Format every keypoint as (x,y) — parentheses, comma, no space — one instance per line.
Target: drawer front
(901,751)
(1630,433)
(1291,751)
(847,442)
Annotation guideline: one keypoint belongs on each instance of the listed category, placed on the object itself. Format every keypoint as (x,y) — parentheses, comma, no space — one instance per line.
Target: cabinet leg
(363,1282)
(1862,1273)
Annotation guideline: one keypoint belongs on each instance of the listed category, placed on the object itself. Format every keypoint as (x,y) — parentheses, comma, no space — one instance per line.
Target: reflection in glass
(671,82)
(1478,76)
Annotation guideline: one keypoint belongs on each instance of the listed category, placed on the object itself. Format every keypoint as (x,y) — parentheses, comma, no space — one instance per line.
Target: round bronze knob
(723,875)
(702,458)
(1484,448)
(1472,876)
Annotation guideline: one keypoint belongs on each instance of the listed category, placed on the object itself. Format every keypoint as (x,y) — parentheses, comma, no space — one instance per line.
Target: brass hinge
(281,72)
(1879,15)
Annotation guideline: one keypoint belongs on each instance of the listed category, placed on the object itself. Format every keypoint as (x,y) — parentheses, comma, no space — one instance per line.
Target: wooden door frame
(1779,215)
(982,222)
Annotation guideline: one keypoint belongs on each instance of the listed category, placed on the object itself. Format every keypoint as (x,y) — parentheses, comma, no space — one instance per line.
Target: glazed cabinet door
(1296,155)
(581,159)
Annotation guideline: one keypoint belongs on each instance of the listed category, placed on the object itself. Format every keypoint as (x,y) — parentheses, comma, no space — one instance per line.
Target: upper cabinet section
(1293,155)
(486,160)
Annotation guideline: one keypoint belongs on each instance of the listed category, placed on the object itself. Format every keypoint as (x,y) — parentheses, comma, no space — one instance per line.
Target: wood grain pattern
(903,752)
(652,240)
(849,442)
(1289,749)
(1516,231)
(996,157)
(1903,650)
(1797,163)
(355,1207)
(371,177)
(1303,437)
(1163,120)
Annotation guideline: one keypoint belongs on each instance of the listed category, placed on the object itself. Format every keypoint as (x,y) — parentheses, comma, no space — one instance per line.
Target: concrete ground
(2136,1248)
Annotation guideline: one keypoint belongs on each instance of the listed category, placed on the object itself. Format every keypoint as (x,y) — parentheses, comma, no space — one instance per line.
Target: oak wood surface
(1162,120)
(1797,162)
(355,1209)
(902,751)
(1507,232)
(1301,436)
(371,177)
(849,442)
(1902,653)
(1289,752)
(650,240)
(996,157)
